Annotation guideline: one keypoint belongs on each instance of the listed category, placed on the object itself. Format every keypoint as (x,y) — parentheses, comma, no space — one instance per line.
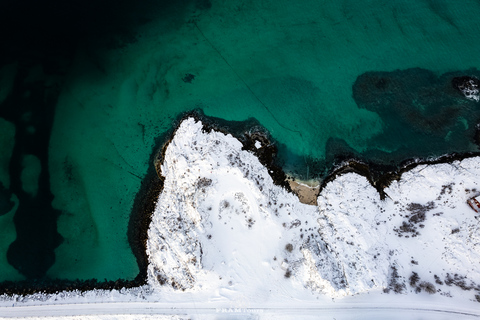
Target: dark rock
(468,86)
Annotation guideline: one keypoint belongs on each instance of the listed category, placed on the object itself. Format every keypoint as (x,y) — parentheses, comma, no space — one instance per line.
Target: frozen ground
(226,243)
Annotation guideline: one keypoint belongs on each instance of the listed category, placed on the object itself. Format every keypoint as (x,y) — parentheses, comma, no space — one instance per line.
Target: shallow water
(291,66)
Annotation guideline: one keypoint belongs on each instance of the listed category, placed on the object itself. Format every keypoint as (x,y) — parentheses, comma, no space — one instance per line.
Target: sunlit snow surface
(221,226)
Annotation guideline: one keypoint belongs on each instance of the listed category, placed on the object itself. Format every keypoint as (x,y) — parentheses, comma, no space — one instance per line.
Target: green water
(291,65)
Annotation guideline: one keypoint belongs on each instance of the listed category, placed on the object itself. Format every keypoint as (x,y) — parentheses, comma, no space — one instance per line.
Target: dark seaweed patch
(188,78)
(424,114)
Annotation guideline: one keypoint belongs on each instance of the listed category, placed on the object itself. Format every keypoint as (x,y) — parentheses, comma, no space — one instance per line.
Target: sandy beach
(306,191)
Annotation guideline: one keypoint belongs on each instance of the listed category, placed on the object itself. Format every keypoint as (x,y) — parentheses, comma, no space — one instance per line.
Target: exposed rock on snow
(221,223)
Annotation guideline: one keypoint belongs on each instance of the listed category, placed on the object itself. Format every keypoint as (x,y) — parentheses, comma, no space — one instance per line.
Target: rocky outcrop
(469,86)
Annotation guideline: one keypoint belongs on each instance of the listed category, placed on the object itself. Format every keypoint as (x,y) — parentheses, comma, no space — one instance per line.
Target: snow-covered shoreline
(219,202)
(223,234)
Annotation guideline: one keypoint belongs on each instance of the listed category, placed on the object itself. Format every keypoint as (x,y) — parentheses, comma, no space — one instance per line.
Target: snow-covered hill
(221,226)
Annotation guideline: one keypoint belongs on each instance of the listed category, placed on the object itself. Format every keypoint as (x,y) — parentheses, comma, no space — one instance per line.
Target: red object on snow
(474,203)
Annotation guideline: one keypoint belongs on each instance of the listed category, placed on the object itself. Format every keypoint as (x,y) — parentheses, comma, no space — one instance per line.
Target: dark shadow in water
(6,204)
(424,115)
(31,108)
(52,29)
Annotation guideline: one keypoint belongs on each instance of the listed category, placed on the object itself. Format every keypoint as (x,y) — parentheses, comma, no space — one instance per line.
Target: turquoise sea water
(296,67)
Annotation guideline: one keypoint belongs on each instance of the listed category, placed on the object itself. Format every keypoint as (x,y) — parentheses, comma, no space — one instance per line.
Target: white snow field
(226,243)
